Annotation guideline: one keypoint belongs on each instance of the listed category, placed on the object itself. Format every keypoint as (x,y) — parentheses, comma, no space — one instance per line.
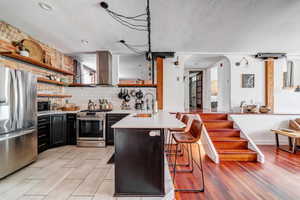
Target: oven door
(90,129)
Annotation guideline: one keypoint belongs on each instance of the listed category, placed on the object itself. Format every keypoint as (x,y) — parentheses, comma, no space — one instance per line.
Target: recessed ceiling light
(45,6)
(85,42)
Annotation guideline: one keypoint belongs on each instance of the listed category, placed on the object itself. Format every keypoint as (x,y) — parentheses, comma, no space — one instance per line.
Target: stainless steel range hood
(104,68)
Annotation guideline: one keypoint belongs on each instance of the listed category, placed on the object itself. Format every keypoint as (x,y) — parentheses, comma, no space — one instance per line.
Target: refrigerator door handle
(14,100)
(20,90)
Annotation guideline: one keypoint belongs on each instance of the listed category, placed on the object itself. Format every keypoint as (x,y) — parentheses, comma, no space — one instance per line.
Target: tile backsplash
(81,95)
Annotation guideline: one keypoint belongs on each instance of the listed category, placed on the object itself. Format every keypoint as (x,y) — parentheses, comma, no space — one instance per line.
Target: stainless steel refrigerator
(18,120)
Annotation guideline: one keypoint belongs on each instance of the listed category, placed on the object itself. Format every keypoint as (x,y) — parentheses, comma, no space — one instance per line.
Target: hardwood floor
(277,178)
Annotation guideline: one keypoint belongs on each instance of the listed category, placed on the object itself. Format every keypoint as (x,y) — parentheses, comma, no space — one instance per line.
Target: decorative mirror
(288,75)
(291,74)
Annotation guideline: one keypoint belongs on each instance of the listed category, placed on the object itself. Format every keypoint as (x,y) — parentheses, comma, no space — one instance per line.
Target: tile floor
(67,173)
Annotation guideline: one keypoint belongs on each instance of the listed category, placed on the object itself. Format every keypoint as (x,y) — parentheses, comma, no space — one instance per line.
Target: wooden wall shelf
(136,85)
(35,62)
(54,95)
(81,85)
(44,80)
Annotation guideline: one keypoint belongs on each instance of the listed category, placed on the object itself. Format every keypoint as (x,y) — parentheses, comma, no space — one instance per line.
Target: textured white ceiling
(178,25)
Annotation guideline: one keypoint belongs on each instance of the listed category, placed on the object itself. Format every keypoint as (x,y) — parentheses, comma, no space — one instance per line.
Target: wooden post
(160,80)
(269,83)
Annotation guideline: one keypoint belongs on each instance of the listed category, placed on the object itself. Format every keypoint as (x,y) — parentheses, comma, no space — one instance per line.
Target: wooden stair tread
(213,115)
(235,151)
(223,130)
(218,124)
(227,139)
(216,120)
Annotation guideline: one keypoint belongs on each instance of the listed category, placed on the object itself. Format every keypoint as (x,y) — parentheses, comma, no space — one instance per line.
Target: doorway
(196,90)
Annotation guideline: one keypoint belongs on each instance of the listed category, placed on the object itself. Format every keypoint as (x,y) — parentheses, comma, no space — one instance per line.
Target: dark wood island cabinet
(139,163)
(139,154)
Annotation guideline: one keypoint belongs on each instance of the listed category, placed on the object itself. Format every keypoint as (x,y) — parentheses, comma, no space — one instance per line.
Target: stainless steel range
(91,128)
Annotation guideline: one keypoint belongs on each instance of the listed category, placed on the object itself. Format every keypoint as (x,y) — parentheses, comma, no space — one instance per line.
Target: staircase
(226,139)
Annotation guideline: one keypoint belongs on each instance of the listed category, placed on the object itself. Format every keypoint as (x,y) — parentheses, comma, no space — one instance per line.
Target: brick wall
(8,34)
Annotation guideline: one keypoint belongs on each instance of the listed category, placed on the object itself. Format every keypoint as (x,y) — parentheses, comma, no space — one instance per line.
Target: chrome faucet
(152,102)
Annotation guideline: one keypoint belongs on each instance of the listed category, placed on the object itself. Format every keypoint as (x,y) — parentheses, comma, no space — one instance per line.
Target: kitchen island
(139,154)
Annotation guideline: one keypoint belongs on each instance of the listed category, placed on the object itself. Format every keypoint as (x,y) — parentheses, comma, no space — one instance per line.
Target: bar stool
(178,115)
(170,130)
(184,119)
(189,138)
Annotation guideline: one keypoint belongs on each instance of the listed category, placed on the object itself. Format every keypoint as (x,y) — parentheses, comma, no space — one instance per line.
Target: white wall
(133,67)
(186,90)
(173,85)
(238,94)
(258,126)
(115,69)
(285,100)
(224,86)
(206,89)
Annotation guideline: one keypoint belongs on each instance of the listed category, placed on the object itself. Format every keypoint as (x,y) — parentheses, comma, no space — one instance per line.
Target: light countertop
(159,120)
(55,112)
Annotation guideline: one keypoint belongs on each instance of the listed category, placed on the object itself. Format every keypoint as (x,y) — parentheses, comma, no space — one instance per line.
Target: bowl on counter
(264,109)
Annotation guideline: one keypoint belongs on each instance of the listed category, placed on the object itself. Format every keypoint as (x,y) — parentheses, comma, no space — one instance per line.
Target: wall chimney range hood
(104,68)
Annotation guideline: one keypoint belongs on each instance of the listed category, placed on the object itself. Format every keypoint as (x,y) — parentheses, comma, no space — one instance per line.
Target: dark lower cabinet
(43,133)
(111,119)
(71,129)
(58,130)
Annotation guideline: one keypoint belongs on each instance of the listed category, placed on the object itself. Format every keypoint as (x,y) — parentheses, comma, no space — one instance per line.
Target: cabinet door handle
(44,135)
(42,127)
(154,133)
(41,145)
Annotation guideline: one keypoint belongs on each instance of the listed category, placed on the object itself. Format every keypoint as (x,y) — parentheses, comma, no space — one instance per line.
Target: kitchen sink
(143,115)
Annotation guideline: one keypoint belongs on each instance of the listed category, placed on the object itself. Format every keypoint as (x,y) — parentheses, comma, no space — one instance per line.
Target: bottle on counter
(156,107)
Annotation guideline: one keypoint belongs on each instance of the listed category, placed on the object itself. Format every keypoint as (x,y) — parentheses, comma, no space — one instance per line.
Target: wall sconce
(240,62)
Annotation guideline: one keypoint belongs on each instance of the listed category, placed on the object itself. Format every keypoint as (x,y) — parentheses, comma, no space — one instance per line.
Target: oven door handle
(89,119)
